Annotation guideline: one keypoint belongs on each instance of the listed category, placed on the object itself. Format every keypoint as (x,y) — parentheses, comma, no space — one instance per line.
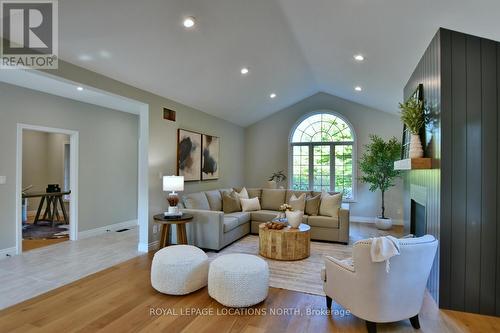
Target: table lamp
(173,183)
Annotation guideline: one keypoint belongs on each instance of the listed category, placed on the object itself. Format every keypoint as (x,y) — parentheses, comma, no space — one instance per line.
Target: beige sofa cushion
(231,202)
(249,205)
(196,201)
(242,217)
(272,199)
(264,215)
(330,204)
(214,200)
(312,205)
(243,194)
(231,222)
(289,194)
(298,203)
(254,193)
(323,221)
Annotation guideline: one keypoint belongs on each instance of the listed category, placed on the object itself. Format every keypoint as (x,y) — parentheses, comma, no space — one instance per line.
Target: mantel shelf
(413,164)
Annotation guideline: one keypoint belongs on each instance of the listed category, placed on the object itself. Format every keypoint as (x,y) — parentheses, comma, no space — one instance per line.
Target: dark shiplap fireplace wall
(461,78)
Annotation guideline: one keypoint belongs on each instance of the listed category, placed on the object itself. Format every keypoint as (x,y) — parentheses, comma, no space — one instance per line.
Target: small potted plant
(413,116)
(377,166)
(276,179)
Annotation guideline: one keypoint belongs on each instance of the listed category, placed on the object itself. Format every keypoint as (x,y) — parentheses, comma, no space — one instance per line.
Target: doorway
(47,187)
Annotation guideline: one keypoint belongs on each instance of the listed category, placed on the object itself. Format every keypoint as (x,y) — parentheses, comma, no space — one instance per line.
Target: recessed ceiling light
(79,88)
(273,95)
(189,22)
(359,57)
(244,71)
(358,88)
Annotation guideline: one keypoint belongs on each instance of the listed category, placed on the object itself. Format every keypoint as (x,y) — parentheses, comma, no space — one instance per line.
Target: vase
(416,150)
(294,218)
(272,184)
(383,224)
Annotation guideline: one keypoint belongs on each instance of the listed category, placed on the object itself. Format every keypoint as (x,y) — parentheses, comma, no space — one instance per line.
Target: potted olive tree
(377,166)
(413,116)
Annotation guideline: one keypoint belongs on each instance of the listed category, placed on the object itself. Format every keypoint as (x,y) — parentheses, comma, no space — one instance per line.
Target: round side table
(285,244)
(166,222)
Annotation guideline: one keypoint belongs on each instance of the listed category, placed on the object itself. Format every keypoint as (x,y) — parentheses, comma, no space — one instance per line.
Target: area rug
(43,231)
(302,275)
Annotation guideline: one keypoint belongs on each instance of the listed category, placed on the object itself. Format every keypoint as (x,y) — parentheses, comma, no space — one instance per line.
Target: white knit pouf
(238,280)
(179,270)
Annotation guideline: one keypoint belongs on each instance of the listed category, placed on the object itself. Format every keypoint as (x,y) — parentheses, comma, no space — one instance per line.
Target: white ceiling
(294,48)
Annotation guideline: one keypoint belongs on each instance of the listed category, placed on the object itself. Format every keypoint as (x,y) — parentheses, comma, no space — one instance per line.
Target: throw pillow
(330,204)
(312,205)
(231,203)
(243,193)
(298,203)
(249,205)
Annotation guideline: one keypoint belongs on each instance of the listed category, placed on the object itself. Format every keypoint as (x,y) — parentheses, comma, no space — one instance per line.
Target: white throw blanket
(384,248)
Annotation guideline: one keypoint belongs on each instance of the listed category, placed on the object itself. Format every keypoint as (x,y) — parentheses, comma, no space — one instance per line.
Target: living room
(253,167)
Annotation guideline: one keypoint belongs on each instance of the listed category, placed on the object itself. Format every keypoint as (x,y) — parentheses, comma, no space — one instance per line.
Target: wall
(43,162)
(470,233)
(108,156)
(267,146)
(428,73)
(162,144)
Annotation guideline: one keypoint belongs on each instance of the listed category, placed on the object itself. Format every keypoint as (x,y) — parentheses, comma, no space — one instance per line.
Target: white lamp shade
(173,183)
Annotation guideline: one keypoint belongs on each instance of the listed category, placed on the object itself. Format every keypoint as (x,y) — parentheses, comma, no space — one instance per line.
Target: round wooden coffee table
(166,222)
(285,244)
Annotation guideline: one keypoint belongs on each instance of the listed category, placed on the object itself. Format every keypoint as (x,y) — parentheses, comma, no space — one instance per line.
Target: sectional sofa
(212,229)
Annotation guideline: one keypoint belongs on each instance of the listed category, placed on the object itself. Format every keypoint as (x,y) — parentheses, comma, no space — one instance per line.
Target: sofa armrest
(206,230)
(344,222)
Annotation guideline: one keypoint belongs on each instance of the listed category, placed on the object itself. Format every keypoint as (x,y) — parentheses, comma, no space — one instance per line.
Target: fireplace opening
(418,225)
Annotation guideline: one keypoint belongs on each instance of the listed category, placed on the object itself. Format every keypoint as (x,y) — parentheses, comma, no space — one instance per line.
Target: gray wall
(108,156)
(162,143)
(43,161)
(267,146)
(428,73)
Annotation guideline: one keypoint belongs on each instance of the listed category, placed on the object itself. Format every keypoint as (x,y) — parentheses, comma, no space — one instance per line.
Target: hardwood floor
(31,244)
(121,299)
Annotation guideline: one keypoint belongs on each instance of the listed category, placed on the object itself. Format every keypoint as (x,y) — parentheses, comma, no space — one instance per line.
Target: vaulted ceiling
(293,48)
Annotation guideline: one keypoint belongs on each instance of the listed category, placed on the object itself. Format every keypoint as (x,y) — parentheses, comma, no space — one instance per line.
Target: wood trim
(413,164)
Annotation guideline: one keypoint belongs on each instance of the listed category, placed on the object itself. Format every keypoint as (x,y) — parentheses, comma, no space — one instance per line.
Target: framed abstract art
(189,155)
(210,157)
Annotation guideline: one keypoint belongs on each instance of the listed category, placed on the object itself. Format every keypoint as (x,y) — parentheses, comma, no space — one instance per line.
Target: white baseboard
(368,219)
(8,252)
(107,228)
(145,247)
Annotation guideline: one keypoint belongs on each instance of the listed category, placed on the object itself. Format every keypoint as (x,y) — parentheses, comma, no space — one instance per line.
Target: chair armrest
(340,263)
(206,230)
(341,282)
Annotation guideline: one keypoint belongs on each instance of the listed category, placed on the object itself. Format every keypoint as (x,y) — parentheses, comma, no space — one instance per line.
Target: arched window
(322,154)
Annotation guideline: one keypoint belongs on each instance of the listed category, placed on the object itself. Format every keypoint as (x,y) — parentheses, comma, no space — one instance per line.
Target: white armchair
(370,293)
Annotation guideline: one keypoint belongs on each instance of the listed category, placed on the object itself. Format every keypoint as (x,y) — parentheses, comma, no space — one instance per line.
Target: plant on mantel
(413,116)
(377,166)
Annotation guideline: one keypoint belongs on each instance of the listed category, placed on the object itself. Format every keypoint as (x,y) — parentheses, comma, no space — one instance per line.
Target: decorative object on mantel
(276,179)
(173,183)
(377,166)
(413,117)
